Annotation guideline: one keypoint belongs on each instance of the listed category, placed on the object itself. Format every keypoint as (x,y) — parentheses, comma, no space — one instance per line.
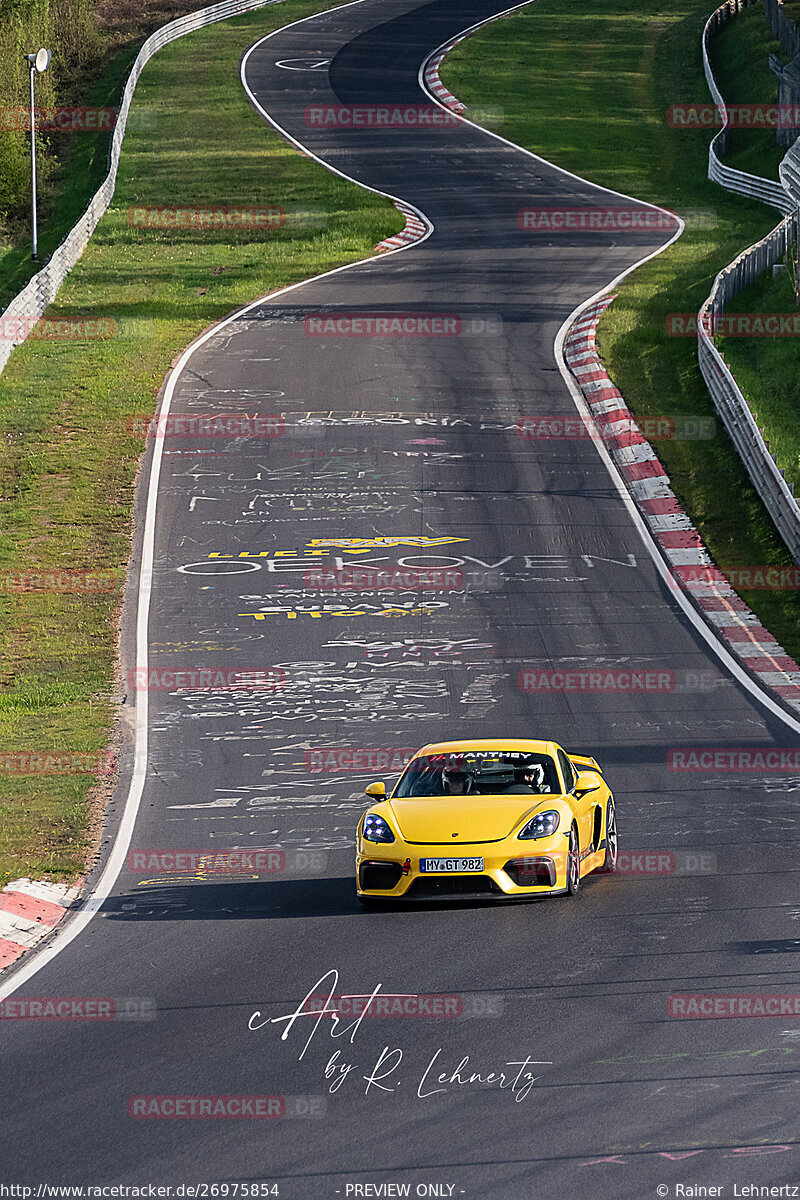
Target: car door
(583,805)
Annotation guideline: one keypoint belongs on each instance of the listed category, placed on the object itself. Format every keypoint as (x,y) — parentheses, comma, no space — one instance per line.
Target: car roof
(536,747)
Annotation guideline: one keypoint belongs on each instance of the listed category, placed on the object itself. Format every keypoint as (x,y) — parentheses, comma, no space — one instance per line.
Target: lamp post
(37,62)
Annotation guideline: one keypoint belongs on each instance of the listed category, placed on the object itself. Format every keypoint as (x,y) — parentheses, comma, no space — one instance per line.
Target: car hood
(461,819)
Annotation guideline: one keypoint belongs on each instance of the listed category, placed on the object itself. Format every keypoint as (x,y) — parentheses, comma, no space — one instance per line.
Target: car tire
(573,863)
(612,841)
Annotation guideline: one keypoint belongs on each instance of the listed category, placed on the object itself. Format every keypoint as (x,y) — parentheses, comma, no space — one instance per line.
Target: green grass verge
(791,9)
(766,370)
(70,184)
(588,87)
(67,460)
(740,62)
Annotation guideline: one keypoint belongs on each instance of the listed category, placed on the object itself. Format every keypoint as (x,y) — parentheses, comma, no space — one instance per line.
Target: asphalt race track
(415,438)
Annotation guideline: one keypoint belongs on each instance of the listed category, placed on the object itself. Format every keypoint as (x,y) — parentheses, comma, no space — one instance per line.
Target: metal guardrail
(29,304)
(34,298)
(754,186)
(789,171)
(785,30)
(768,478)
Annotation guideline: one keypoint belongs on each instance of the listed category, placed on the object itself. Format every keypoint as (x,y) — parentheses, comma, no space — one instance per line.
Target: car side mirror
(587,781)
(376,789)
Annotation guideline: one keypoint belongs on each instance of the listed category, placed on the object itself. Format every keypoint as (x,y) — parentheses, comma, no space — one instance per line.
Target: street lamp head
(40,60)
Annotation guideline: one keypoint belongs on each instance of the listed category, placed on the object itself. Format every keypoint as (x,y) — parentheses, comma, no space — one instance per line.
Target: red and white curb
(414,230)
(28,911)
(434,83)
(736,625)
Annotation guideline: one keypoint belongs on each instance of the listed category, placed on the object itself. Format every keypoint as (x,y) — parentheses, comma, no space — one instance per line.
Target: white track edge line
(106,882)
(335,170)
(522,149)
(683,600)
(35,960)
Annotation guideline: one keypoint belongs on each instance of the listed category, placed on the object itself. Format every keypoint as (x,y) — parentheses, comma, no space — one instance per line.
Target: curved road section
(529,1048)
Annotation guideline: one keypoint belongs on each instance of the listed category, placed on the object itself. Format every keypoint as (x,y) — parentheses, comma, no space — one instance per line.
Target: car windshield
(481,773)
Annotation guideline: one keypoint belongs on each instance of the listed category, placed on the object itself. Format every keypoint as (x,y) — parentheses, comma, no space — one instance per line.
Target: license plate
(450,866)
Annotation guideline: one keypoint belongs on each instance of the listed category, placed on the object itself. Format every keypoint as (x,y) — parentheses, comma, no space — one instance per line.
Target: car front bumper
(512,868)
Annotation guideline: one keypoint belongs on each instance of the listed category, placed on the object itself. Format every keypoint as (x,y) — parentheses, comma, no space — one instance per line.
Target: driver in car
(528,778)
(456,782)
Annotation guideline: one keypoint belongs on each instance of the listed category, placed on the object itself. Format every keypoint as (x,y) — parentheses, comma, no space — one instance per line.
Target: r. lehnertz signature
(516,1076)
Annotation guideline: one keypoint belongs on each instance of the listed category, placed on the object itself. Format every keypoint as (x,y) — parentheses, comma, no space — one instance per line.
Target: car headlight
(544,824)
(376,829)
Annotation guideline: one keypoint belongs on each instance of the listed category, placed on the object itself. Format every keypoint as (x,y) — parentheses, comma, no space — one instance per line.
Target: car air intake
(454,885)
(532,872)
(379,876)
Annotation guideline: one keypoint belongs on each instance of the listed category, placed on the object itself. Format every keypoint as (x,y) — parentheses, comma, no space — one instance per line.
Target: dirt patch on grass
(124,22)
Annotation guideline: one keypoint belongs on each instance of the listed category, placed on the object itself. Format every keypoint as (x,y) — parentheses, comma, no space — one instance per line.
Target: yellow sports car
(496,818)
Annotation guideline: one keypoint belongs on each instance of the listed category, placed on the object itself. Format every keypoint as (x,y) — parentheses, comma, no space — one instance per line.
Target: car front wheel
(573,863)
(612,841)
